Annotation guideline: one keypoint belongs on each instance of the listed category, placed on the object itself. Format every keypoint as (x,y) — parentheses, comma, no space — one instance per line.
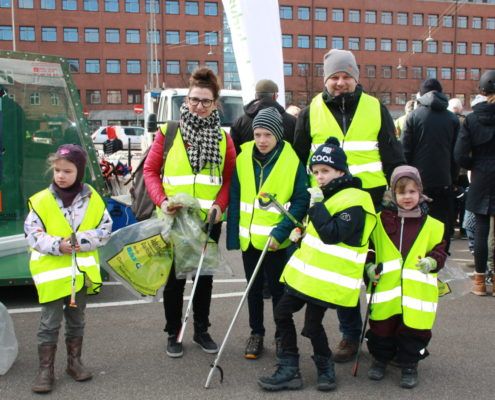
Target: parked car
(124,133)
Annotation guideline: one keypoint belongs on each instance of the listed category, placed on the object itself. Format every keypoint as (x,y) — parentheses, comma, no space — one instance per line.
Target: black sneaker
(174,349)
(206,342)
(254,347)
(377,370)
(409,377)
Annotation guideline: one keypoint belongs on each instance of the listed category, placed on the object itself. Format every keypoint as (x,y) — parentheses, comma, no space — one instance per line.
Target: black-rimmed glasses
(194,101)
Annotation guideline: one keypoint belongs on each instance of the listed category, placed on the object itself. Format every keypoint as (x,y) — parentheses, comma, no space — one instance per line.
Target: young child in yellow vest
(267,164)
(409,246)
(67,206)
(327,269)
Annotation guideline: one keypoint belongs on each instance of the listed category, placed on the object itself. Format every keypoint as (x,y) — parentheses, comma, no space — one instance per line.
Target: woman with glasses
(203,156)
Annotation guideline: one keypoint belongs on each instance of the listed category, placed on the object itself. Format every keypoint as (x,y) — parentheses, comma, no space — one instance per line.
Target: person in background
(113,143)
(293,110)
(401,121)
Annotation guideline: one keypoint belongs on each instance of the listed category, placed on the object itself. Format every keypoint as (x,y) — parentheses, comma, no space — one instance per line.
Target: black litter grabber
(372,284)
(211,222)
(215,365)
(271,200)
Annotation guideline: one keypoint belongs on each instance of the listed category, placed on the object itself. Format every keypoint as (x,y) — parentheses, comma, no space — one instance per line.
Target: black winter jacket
(343,108)
(475,150)
(429,138)
(242,130)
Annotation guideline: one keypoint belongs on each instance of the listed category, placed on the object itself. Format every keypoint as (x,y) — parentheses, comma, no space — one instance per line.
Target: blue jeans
(350,322)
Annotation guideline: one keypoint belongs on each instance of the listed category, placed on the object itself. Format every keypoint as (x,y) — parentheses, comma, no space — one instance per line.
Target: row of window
(132,66)
(387,17)
(387,72)
(385,44)
(113,96)
(112,35)
(130,6)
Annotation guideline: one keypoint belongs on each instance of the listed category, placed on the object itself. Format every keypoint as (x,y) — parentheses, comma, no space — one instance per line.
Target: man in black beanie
(429,136)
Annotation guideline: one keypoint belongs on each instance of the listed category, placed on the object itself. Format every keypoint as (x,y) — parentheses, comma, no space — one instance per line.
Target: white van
(230,107)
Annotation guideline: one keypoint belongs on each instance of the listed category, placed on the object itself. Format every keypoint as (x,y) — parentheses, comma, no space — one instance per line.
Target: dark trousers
(390,338)
(271,268)
(313,327)
(350,322)
(173,298)
(442,208)
(481,242)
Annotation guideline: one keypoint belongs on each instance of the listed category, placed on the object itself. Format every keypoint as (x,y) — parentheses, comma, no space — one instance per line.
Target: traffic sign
(138,109)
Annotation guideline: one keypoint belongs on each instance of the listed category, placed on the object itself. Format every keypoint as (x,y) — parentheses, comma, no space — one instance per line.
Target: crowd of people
(376,200)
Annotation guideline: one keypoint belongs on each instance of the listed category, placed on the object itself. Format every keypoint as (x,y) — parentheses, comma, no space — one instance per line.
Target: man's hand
(371,272)
(170,210)
(426,264)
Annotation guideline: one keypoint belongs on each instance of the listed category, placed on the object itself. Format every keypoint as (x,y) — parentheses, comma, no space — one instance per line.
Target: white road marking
(116,283)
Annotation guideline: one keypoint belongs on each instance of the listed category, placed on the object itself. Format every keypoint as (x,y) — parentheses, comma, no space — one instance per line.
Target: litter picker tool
(198,272)
(378,271)
(215,365)
(273,201)
(73,242)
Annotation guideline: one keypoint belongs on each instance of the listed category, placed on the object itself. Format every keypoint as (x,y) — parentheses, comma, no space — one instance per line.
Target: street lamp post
(13,24)
(454,66)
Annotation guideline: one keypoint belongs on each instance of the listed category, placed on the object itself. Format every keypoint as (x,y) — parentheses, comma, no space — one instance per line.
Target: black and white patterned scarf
(202,137)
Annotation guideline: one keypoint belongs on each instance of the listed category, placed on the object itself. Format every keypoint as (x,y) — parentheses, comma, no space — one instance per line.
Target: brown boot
(479,285)
(75,367)
(345,351)
(46,376)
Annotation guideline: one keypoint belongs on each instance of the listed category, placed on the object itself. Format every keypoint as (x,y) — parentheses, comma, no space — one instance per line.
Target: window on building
(92,66)
(320,42)
(132,6)
(337,15)
(400,98)
(26,33)
(417,19)
(370,71)
(462,21)
(448,21)
(93,96)
(417,46)
(490,23)
(386,44)
(133,66)
(385,97)
(432,46)
(386,71)
(417,72)
(132,36)
(490,49)
(401,18)
(475,74)
(401,45)
(211,8)
(112,5)
(476,22)
(288,97)
(321,14)
(370,44)
(191,65)
(71,35)
(461,47)
(35,99)
(386,18)
(48,34)
(172,7)
(213,65)
(173,67)
(73,65)
(114,96)
(433,20)
(45,4)
(353,43)
(285,12)
(113,66)
(211,38)
(446,73)
(447,47)
(431,72)
(134,96)
(354,16)
(303,13)
(337,42)
(476,48)
(287,69)
(303,69)
(152,6)
(370,17)
(192,8)
(303,41)
(460,73)
(402,73)
(192,37)
(153,37)
(91,35)
(69,5)
(172,37)
(318,70)
(112,35)
(286,41)
(25,4)
(154,67)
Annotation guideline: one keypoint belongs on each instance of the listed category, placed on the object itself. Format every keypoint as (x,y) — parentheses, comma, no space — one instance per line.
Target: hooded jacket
(428,140)
(242,130)
(475,150)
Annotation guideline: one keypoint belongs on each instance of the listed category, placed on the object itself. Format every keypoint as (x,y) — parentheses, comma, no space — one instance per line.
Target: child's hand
(66,248)
(274,245)
(426,264)
(316,195)
(296,235)
(371,272)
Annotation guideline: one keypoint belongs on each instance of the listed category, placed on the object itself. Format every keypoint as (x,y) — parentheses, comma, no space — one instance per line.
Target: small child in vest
(67,206)
(409,246)
(267,164)
(327,269)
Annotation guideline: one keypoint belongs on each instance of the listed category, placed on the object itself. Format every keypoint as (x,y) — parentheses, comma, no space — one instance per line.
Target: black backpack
(142,206)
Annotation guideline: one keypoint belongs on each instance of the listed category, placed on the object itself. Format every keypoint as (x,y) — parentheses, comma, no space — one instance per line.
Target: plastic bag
(8,341)
(139,257)
(453,282)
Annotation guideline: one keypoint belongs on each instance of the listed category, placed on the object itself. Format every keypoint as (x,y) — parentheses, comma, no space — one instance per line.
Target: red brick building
(397,44)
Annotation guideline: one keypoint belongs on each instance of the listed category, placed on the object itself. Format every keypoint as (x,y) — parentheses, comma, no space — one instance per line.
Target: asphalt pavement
(125,348)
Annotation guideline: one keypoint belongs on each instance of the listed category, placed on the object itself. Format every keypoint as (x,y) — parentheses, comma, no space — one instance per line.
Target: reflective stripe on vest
(360,142)
(178,176)
(402,288)
(255,222)
(52,275)
(332,273)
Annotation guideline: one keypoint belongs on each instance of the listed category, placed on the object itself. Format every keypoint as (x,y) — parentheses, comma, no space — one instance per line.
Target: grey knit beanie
(269,118)
(340,61)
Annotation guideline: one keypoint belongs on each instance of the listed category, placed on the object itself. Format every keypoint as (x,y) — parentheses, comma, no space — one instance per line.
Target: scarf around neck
(202,137)
(68,195)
